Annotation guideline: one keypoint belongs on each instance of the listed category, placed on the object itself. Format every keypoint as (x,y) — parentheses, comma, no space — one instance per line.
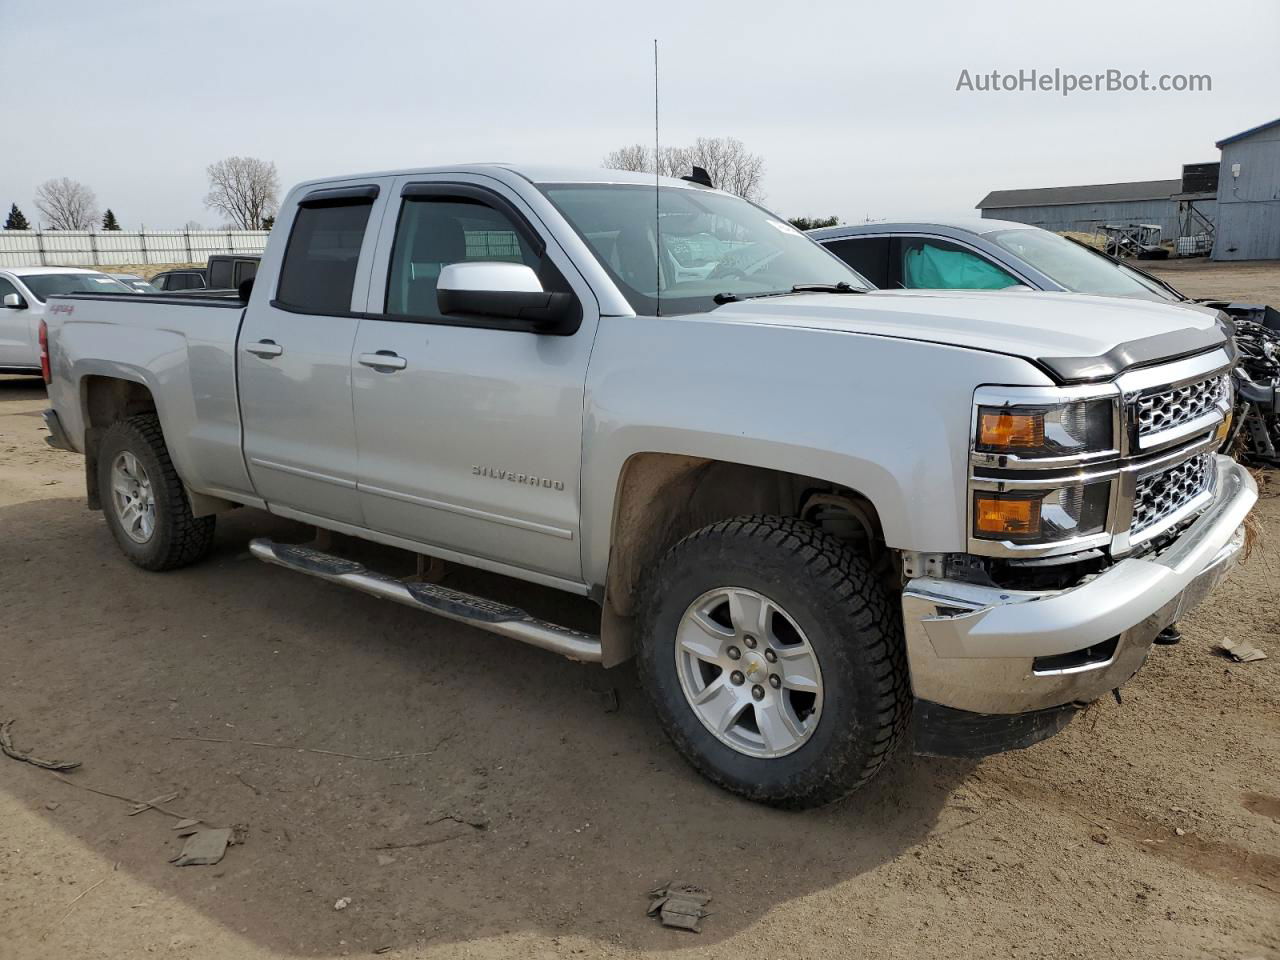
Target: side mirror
(14,301)
(508,291)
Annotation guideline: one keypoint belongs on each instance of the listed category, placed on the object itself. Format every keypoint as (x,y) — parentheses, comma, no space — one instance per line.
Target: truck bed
(181,348)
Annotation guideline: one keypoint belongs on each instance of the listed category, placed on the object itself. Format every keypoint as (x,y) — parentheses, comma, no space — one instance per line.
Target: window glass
(433,232)
(220,274)
(319,268)
(46,285)
(245,270)
(929,264)
(1075,268)
(6,288)
(705,244)
(868,255)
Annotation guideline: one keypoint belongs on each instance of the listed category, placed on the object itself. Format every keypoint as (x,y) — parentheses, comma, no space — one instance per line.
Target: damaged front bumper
(995,669)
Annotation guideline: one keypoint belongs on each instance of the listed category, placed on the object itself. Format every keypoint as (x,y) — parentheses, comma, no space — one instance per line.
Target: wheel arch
(105,399)
(663,497)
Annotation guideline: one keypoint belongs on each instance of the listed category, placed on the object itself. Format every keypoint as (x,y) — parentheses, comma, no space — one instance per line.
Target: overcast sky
(852,104)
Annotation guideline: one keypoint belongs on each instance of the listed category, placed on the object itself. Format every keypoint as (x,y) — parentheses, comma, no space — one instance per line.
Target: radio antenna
(657,196)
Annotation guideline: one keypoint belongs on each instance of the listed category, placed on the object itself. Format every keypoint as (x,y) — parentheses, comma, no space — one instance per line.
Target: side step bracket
(499,618)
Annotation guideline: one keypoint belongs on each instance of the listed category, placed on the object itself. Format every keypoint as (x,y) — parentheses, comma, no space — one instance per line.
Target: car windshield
(46,285)
(1074,267)
(709,245)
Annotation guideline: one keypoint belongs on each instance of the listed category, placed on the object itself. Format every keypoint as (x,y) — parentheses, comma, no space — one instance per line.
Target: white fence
(68,248)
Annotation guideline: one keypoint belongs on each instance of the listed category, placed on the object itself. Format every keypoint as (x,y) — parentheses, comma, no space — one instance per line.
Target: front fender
(887,418)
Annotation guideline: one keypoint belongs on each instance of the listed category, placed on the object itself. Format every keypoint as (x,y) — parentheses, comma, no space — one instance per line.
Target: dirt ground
(530,813)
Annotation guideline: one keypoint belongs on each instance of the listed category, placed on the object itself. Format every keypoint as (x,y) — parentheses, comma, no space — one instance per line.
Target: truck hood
(1075,337)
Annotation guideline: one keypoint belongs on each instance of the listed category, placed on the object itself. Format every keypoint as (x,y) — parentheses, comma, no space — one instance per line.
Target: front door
(294,358)
(469,429)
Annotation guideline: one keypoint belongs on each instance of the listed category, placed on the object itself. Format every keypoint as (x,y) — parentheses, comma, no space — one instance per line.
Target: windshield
(1074,267)
(709,244)
(46,285)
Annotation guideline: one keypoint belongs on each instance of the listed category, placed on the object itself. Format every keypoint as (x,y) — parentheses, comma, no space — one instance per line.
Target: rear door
(470,429)
(294,356)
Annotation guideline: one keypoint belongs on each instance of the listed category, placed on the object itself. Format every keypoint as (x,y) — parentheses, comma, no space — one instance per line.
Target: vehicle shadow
(536,795)
(16,387)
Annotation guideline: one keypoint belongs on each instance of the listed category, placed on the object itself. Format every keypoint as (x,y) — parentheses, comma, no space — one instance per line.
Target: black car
(224,271)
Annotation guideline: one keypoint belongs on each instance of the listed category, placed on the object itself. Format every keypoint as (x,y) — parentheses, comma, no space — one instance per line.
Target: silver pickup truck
(813,511)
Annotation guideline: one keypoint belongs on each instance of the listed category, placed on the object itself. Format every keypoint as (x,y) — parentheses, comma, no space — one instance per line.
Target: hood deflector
(1162,348)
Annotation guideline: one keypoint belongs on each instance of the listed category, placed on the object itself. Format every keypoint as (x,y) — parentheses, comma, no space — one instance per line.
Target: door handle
(265,348)
(385,360)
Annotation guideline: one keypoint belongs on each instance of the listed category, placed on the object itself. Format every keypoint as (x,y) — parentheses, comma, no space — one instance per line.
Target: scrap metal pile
(1257,427)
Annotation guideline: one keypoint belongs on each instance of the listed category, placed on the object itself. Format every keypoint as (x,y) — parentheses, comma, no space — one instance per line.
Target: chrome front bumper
(975,648)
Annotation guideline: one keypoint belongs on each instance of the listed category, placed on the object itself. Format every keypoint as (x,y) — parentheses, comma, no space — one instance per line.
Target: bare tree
(245,189)
(728,162)
(637,158)
(67,204)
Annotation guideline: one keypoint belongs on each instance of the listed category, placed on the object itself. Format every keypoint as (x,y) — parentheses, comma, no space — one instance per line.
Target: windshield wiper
(841,287)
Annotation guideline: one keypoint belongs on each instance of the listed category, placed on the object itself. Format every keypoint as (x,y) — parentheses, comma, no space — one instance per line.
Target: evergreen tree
(109,221)
(16,220)
(268,223)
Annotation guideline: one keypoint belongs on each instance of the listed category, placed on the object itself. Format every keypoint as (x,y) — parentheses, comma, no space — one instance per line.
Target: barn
(1248,222)
(1231,205)
(1086,207)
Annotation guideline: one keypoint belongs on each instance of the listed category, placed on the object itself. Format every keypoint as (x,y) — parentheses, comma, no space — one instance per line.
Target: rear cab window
(319,269)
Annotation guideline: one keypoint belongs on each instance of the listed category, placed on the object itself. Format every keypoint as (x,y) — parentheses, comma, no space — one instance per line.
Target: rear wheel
(143,498)
(775,661)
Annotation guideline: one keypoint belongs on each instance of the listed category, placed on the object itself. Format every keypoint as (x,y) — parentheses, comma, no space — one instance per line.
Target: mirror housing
(14,301)
(506,291)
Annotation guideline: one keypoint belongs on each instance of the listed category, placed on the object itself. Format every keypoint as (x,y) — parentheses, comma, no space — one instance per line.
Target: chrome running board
(499,618)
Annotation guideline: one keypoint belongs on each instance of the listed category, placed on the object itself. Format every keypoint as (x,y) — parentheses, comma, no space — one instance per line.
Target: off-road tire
(852,624)
(179,538)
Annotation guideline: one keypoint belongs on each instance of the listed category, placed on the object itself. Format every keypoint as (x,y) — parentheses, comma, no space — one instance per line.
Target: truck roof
(534,173)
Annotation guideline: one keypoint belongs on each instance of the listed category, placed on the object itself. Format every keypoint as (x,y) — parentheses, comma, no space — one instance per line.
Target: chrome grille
(1167,409)
(1161,495)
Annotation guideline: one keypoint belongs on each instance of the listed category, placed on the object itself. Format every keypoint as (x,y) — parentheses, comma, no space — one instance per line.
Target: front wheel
(775,660)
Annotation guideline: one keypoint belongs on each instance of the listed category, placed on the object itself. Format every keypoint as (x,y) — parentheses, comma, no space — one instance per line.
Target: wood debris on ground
(9,750)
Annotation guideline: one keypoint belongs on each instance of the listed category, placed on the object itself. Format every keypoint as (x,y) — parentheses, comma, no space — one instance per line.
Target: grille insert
(1160,495)
(1168,409)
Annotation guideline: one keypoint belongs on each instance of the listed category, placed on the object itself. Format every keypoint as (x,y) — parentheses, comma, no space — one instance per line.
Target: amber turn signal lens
(1005,516)
(1011,431)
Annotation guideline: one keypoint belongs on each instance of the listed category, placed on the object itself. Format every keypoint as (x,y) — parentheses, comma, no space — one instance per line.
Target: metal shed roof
(1247,133)
(1088,193)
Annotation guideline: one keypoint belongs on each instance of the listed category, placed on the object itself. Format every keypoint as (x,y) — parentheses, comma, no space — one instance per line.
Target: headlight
(1051,430)
(1041,516)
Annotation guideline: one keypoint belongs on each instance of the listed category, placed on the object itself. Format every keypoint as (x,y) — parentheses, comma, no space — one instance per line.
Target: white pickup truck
(814,511)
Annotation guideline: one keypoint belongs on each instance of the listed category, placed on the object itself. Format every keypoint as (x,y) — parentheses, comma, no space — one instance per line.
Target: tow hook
(1169,636)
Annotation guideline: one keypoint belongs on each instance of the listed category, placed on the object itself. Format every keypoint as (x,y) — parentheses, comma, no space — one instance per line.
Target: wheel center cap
(754,667)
